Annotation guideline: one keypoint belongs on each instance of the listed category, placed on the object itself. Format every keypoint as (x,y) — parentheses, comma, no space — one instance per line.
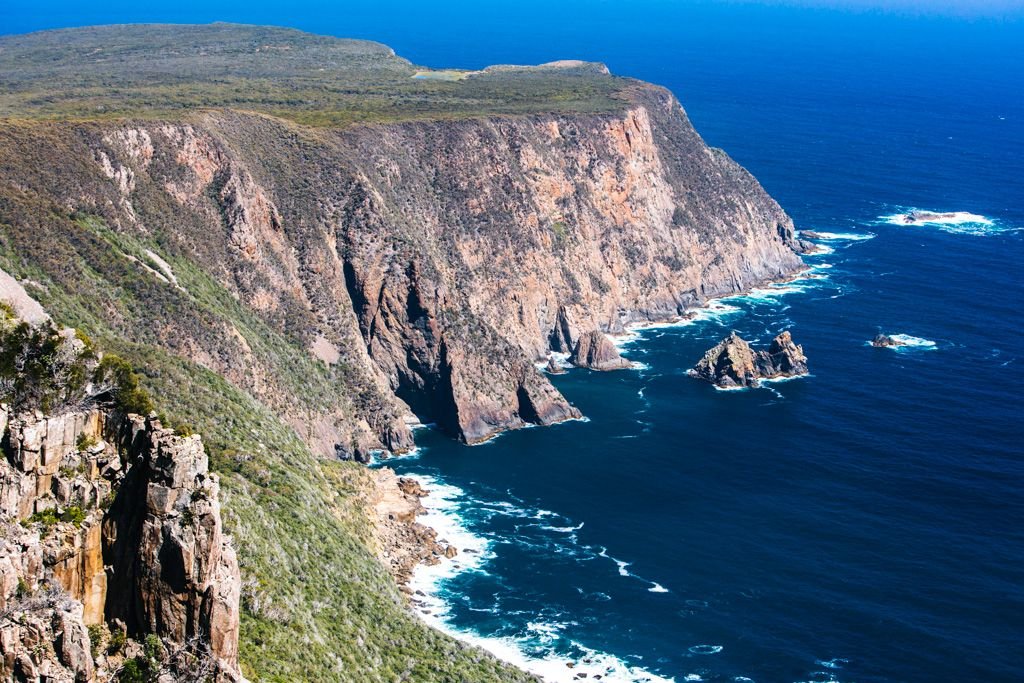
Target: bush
(116,643)
(96,633)
(73,514)
(39,367)
(85,441)
(47,518)
(117,374)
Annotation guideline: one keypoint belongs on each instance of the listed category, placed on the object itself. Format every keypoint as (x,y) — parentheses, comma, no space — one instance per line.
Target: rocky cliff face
(732,363)
(111,533)
(434,261)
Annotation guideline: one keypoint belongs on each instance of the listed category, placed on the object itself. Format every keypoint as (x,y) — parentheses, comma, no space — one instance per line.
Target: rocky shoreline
(402,543)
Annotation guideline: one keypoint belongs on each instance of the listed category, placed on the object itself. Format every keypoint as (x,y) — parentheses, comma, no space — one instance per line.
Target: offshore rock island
(733,364)
(304,247)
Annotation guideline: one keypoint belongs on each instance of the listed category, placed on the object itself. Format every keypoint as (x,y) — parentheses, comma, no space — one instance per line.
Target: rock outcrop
(119,528)
(553,367)
(400,541)
(885,341)
(732,363)
(596,351)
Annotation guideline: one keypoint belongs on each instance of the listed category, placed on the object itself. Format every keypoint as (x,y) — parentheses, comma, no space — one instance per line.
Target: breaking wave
(907,341)
(542,646)
(954,222)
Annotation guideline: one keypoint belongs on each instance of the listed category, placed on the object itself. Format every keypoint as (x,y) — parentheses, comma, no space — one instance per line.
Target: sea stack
(596,351)
(553,368)
(732,363)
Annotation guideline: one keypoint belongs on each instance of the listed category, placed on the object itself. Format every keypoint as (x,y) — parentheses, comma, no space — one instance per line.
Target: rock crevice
(112,521)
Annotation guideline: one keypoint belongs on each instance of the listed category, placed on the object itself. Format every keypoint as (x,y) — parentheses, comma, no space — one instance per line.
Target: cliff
(435,261)
(306,244)
(112,533)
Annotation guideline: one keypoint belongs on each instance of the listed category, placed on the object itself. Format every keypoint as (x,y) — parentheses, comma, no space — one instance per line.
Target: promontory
(300,246)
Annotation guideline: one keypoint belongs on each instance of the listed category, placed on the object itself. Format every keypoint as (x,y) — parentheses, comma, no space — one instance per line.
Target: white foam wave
(657,588)
(906,342)
(563,529)
(918,217)
(955,222)
(780,380)
(770,293)
(706,649)
(381,457)
(534,650)
(561,360)
(714,309)
(841,236)
(623,339)
(835,663)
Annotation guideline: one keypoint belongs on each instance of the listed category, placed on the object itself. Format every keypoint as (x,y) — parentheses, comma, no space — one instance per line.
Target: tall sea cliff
(306,246)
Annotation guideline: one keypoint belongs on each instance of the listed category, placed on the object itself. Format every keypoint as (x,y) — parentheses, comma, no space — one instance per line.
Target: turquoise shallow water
(862,524)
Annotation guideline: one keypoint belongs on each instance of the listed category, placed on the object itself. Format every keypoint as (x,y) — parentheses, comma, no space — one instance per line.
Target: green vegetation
(100,73)
(85,441)
(124,382)
(51,517)
(144,668)
(39,367)
(315,598)
(97,633)
(561,231)
(115,645)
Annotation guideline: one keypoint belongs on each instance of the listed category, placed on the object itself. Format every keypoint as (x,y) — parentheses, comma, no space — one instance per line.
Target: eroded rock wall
(431,263)
(110,521)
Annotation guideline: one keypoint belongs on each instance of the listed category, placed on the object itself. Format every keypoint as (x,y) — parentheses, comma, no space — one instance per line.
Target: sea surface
(865,523)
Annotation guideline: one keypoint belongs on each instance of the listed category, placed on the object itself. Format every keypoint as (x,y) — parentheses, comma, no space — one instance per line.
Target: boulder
(553,368)
(882,341)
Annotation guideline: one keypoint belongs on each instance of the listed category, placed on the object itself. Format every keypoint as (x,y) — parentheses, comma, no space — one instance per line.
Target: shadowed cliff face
(434,262)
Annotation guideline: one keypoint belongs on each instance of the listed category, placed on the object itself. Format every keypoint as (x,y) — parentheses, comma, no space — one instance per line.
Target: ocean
(864,523)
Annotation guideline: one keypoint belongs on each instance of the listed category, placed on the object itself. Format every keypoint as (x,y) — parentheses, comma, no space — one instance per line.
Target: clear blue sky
(19,16)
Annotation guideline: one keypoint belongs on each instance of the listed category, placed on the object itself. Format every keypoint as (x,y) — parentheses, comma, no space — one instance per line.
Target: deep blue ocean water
(865,523)
(862,524)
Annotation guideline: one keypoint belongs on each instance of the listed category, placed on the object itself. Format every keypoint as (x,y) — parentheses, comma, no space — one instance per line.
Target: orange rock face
(146,549)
